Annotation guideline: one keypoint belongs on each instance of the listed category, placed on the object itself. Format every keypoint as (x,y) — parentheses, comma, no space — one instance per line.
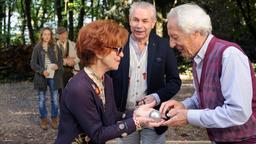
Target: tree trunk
(92,10)
(4,28)
(71,23)
(163,8)
(28,17)
(9,24)
(98,8)
(81,16)
(246,12)
(2,16)
(23,24)
(58,12)
(43,19)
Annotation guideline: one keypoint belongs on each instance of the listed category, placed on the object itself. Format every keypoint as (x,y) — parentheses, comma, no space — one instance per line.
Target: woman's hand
(142,115)
(149,122)
(144,110)
(45,73)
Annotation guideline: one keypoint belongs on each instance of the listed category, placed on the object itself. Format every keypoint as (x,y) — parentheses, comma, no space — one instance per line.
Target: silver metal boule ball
(155,114)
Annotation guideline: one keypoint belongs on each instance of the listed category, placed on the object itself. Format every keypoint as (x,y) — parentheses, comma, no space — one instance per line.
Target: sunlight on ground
(22,113)
(186,76)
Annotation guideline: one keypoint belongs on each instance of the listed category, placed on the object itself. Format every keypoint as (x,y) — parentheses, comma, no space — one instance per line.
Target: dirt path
(19,117)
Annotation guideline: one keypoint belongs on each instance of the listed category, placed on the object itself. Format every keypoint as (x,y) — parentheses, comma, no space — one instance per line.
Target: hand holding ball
(155,114)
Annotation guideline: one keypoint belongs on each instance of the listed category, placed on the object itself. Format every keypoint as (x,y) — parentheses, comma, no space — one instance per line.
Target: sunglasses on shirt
(117,50)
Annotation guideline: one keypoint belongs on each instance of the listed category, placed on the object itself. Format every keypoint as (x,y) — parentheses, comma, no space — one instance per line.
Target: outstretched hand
(150,122)
(176,111)
(142,115)
(144,110)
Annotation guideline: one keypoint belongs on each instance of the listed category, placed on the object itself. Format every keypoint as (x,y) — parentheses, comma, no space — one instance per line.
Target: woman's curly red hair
(94,37)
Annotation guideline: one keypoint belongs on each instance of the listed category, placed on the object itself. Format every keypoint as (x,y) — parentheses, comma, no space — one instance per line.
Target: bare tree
(71,23)
(81,15)
(2,23)
(58,9)
(28,20)
(2,15)
(9,4)
(23,23)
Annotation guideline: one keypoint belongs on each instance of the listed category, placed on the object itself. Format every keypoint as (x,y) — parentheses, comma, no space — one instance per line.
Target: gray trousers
(145,136)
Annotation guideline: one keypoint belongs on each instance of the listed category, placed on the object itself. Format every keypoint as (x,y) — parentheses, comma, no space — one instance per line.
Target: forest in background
(22,20)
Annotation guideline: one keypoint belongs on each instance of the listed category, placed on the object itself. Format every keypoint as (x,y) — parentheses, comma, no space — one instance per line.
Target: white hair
(143,5)
(191,18)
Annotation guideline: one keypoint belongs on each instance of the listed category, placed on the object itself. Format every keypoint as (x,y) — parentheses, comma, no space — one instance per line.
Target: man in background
(70,59)
(148,72)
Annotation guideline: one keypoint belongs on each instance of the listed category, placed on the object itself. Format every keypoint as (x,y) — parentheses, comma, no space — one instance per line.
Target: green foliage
(254,66)
(17,40)
(2,41)
(73,6)
(119,11)
(185,69)
(233,20)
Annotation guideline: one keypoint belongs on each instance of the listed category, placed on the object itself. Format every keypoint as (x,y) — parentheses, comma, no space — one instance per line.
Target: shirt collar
(134,41)
(200,55)
(63,44)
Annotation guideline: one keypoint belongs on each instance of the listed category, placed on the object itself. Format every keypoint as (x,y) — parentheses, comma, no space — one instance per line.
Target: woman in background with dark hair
(46,62)
(88,111)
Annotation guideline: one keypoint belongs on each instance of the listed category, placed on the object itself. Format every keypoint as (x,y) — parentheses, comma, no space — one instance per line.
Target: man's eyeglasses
(117,50)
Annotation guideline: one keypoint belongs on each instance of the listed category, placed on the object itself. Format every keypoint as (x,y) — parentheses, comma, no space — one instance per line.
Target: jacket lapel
(151,56)
(125,65)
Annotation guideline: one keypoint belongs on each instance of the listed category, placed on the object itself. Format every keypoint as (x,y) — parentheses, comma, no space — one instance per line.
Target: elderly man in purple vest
(224,100)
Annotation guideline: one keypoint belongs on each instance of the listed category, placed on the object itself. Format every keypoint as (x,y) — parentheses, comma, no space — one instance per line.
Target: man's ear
(153,24)
(197,33)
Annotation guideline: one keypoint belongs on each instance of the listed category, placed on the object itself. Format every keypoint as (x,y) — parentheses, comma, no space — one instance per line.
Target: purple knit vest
(210,94)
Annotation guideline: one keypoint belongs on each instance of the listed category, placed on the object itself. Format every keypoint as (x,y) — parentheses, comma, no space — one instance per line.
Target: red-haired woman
(88,109)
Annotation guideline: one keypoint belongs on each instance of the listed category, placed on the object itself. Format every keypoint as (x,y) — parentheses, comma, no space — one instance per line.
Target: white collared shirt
(137,74)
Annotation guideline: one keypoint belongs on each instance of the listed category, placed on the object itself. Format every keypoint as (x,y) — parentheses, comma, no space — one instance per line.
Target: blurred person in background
(70,59)
(46,62)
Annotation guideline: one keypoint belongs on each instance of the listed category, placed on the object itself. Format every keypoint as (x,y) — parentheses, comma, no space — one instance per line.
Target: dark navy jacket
(82,111)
